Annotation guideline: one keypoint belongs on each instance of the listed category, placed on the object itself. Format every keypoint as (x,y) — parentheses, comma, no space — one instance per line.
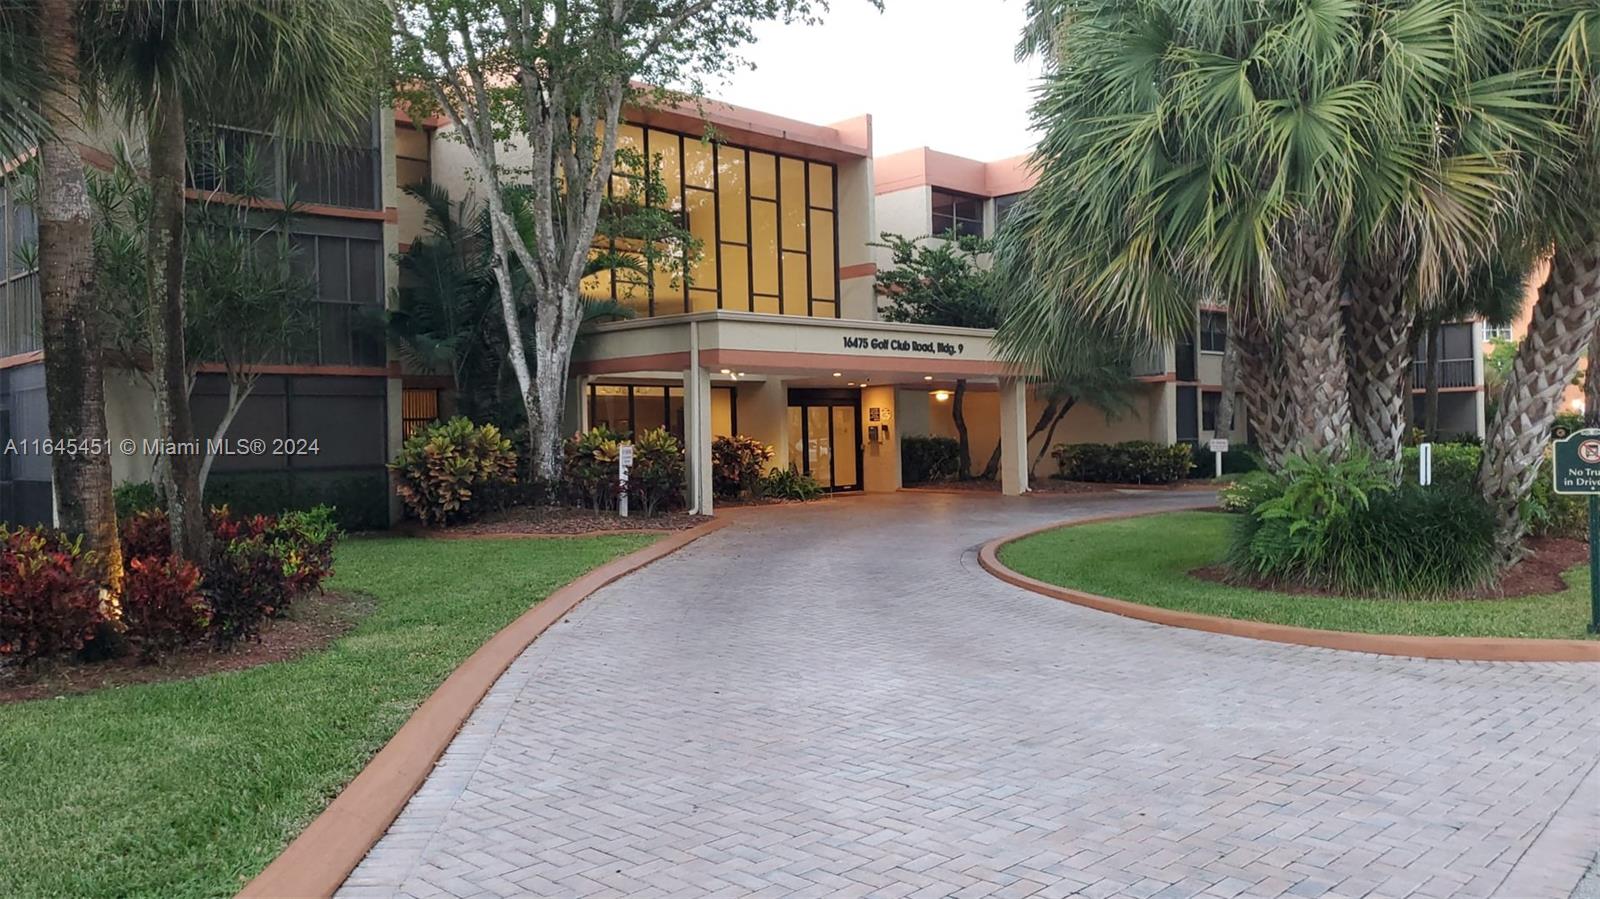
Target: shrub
(927,459)
(788,483)
(452,471)
(1234,461)
(245,585)
(50,599)
(162,605)
(655,481)
(1344,525)
(145,534)
(590,467)
(1454,464)
(304,541)
(1551,514)
(136,496)
(1131,462)
(1570,421)
(737,464)
(1249,491)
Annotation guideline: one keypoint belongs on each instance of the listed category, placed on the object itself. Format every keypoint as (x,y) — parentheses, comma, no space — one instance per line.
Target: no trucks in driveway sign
(1577,471)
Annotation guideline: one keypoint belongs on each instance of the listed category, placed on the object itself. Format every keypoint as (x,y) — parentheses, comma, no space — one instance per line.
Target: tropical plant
(924,459)
(737,463)
(1255,153)
(557,77)
(1130,462)
(453,470)
(941,280)
(163,606)
(45,34)
(136,496)
(1248,492)
(590,467)
(656,479)
(50,595)
(790,484)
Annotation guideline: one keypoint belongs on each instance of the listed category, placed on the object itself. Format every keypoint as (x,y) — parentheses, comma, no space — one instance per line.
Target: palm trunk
(1430,405)
(1316,382)
(74,381)
(1564,317)
(1261,367)
(958,415)
(1379,356)
(185,505)
(1591,383)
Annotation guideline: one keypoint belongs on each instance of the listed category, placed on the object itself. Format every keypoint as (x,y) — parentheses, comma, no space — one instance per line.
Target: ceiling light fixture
(927,377)
(941,395)
(838,374)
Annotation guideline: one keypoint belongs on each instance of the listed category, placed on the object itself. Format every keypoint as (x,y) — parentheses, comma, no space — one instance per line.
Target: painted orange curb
(317,862)
(1462,649)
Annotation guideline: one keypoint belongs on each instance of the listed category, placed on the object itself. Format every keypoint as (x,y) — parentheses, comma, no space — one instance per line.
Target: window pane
(942,222)
(649,408)
(364,275)
(730,193)
(795,292)
(735,278)
(822,270)
(764,245)
(668,292)
(793,213)
(766,305)
(703,225)
(630,144)
(675,412)
(696,163)
(702,300)
(821,309)
(335,333)
(610,409)
(633,291)
(763,176)
(664,150)
(333,268)
(821,185)
(410,171)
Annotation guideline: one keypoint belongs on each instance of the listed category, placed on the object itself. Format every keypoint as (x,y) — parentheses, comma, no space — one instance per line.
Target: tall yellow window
(766,225)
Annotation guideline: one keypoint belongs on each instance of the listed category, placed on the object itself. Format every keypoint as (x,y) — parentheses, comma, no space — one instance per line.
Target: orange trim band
(324,854)
(863,270)
(389,214)
(21,359)
(1464,649)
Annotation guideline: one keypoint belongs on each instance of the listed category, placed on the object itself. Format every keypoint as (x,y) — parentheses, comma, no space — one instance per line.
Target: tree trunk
(992,467)
(1261,368)
(236,397)
(958,415)
(1379,356)
(1229,384)
(191,537)
(1564,317)
(1430,405)
(1056,413)
(74,380)
(550,385)
(1591,383)
(1316,382)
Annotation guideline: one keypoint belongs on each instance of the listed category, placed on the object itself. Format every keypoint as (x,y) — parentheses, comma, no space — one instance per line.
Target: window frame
(956,197)
(1204,332)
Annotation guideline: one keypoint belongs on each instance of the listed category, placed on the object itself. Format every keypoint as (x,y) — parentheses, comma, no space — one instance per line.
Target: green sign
(1577,463)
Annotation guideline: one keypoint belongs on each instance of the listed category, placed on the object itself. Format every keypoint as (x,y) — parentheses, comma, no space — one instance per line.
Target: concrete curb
(1463,649)
(317,862)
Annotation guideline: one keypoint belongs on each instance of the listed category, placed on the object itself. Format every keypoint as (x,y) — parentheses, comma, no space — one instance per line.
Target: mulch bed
(316,621)
(1536,575)
(556,521)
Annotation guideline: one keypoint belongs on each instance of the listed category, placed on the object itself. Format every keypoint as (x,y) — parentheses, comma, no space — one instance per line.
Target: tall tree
(1559,189)
(550,80)
(302,69)
(940,280)
(74,381)
(1252,151)
(1591,383)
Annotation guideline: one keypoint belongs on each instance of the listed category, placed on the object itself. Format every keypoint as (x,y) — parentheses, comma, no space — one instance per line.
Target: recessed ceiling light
(727,371)
(838,374)
(927,377)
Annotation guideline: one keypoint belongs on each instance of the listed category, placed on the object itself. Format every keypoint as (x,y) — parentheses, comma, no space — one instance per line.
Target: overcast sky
(931,72)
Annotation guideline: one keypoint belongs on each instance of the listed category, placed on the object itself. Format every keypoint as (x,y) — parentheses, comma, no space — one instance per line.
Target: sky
(936,73)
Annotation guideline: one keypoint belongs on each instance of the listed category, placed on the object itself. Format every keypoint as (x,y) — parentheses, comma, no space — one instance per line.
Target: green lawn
(1147,560)
(190,788)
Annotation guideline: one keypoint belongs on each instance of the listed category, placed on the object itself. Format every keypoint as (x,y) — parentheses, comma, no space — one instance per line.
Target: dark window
(342,173)
(1209,401)
(957,212)
(1002,208)
(1213,332)
(1186,415)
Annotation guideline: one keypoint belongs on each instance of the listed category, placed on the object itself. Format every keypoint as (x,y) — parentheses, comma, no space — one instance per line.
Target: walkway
(834,700)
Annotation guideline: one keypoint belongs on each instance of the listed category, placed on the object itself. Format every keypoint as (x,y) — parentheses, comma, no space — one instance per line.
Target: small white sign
(1425,464)
(625,456)
(1219,445)
(624,462)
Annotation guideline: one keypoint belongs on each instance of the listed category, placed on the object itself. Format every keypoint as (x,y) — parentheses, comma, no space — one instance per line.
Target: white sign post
(624,462)
(1219,447)
(1425,464)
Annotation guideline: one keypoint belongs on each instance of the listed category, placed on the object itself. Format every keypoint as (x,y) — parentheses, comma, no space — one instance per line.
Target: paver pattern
(834,700)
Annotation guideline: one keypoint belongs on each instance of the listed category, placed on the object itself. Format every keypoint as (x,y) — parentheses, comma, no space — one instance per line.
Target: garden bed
(1148,560)
(312,623)
(190,787)
(558,521)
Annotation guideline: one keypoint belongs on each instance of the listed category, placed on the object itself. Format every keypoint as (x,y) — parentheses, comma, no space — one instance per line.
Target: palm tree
(1591,383)
(300,68)
(1252,151)
(75,386)
(1559,174)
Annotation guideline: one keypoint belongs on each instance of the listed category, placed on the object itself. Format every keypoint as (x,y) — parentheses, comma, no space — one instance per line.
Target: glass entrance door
(824,436)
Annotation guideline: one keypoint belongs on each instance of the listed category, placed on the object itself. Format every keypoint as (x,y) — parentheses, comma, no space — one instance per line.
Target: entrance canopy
(772,366)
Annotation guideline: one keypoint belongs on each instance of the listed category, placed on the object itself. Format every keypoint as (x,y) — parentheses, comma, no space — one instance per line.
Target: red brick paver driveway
(836,701)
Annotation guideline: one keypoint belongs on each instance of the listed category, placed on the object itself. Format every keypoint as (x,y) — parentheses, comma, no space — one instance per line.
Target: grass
(1147,560)
(189,788)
